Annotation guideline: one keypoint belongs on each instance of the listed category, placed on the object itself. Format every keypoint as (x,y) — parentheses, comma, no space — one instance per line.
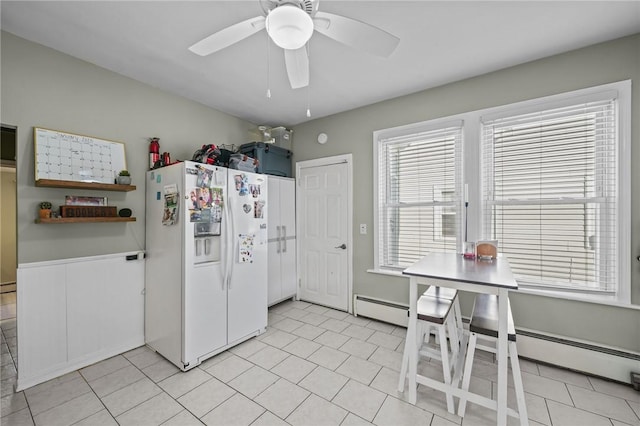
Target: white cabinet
(282,239)
(75,312)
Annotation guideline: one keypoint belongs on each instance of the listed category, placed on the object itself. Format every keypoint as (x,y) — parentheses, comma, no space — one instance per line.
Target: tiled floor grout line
(213,408)
(176,400)
(15,365)
(546,406)
(573,403)
(387,396)
(96,395)
(164,391)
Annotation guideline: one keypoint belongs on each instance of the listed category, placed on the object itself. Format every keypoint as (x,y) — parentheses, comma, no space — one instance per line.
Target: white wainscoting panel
(74,312)
(41,319)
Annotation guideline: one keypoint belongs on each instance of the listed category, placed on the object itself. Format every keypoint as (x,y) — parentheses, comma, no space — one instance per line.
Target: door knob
(343,246)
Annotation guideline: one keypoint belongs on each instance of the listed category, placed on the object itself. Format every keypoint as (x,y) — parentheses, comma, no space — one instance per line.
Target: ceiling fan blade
(228,36)
(297,62)
(355,34)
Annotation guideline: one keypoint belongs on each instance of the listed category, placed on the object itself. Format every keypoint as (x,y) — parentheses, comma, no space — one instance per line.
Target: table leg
(503,300)
(411,336)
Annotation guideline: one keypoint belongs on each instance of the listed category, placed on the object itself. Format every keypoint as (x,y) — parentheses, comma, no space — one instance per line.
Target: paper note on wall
(245,248)
(262,234)
(171,205)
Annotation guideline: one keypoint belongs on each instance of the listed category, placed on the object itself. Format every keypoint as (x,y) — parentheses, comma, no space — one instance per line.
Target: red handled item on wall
(154,152)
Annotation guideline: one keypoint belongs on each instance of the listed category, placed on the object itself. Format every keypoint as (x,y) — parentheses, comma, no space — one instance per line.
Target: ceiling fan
(290,24)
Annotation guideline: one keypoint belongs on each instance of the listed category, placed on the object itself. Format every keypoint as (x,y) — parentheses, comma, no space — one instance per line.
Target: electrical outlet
(363,228)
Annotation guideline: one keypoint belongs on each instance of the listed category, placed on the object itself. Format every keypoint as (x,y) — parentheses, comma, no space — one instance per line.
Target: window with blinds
(549,193)
(419,202)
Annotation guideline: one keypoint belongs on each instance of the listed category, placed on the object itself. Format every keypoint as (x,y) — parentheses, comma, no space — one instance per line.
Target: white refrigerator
(206,260)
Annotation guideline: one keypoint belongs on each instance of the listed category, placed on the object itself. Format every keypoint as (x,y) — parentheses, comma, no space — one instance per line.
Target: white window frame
(411,129)
(472,175)
(621,91)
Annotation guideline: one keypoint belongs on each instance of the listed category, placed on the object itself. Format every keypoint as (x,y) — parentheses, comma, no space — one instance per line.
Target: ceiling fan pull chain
(309,85)
(268,67)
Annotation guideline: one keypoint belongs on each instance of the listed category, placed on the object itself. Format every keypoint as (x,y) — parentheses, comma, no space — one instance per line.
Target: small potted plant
(124,178)
(45,209)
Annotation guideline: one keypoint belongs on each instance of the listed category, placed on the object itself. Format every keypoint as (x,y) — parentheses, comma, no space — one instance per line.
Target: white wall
(352,132)
(45,88)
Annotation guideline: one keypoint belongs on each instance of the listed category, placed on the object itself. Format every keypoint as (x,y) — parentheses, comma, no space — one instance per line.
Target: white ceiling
(440,42)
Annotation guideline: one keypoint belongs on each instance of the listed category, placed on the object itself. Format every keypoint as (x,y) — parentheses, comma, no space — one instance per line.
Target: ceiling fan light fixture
(289,26)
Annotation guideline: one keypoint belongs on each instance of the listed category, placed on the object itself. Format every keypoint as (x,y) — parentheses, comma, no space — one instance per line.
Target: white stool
(484,326)
(434,312)
(451,294)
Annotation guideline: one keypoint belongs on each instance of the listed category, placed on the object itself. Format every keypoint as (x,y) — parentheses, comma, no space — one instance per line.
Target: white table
(478,276)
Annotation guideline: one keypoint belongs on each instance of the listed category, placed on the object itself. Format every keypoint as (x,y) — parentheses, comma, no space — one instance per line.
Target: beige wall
(352,132)
(7,225)
(44,88)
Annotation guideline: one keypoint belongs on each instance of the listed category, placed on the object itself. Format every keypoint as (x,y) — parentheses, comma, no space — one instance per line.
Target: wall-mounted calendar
(79,158)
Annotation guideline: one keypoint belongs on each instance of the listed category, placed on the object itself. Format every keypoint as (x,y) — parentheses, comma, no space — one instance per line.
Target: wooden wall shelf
(53,183)
(84,219)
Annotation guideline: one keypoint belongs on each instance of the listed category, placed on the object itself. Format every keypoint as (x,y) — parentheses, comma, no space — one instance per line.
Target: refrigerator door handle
(227,235)
(284,239)
(233,251)
(232,242)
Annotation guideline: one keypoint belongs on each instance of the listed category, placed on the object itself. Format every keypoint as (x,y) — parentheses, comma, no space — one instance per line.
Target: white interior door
(324,231)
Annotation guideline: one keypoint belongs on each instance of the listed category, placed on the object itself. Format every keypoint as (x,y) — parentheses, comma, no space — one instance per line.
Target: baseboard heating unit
(382,310)
(585,357)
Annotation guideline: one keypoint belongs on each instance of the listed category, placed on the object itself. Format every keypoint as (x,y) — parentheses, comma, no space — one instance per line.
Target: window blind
(418,195)
(549,191)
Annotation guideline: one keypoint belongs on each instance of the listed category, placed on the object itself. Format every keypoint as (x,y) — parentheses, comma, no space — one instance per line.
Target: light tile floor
(313,366)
